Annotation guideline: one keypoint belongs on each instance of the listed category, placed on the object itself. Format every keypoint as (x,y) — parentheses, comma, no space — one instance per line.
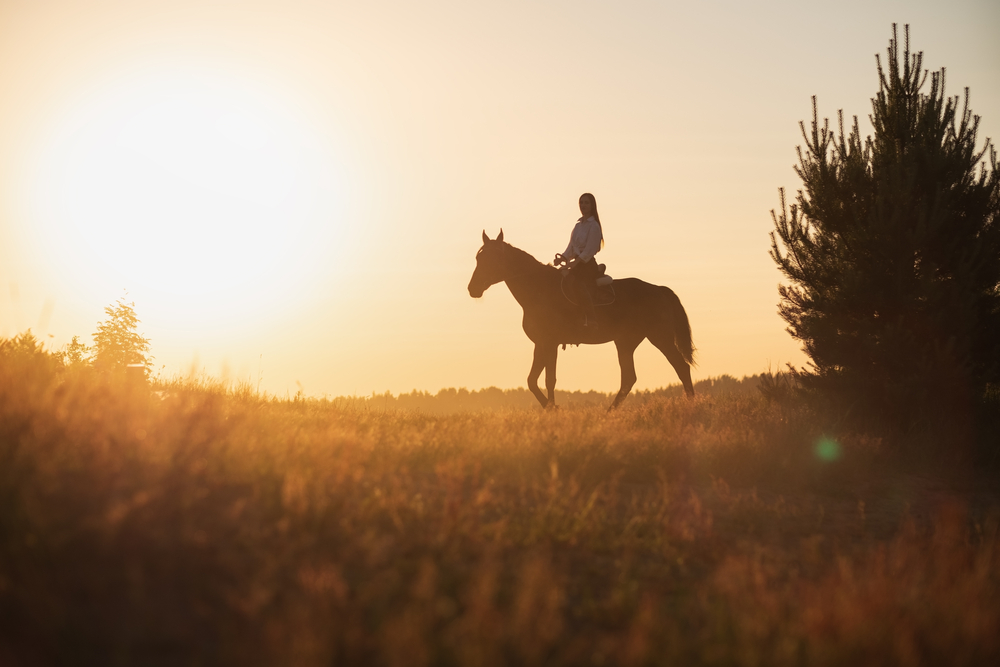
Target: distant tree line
(451,400)
(118,349)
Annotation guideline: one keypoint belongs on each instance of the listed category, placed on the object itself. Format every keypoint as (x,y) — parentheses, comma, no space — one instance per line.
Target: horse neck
(527,278)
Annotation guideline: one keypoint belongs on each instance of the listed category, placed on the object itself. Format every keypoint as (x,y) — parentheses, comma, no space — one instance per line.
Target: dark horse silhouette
(639,311)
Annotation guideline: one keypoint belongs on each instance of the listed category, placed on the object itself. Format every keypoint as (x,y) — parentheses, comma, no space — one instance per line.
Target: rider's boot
(590,313)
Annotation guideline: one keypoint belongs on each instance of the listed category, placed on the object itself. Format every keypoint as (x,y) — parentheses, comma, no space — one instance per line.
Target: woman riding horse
(585,241)
(640,311)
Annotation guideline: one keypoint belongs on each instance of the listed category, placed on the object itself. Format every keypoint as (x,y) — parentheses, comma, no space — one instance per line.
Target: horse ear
(500,238)
(485,237)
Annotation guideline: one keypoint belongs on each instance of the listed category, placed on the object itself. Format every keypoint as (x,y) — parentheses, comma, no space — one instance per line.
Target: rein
(529,265)
(562,288)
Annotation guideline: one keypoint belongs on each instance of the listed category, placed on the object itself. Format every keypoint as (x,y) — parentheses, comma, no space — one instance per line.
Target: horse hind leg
(665,344)
(626,359)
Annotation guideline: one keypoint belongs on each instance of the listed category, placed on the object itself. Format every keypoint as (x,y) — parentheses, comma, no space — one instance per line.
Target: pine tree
(892,251)
(116,343)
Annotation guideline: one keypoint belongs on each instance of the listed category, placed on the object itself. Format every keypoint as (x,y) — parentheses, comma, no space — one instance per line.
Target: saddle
(603,280)
(603,293)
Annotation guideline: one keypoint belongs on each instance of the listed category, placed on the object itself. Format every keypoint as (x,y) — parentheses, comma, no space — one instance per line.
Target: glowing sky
(297,189)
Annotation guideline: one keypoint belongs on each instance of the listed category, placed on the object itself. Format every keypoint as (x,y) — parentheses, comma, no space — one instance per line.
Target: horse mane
(522,257)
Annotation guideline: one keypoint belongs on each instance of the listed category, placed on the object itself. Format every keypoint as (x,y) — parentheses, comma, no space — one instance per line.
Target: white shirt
(585,241)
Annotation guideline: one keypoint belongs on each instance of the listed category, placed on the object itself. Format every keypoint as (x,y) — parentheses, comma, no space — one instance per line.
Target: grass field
(189,525)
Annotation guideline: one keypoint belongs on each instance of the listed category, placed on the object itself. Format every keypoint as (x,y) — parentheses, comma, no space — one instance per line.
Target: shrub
(117,345)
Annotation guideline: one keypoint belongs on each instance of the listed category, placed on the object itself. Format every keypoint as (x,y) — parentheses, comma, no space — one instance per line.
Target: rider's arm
(593,242)
(569,254)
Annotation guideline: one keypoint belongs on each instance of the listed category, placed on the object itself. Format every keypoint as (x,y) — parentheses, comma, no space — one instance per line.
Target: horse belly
(533,329)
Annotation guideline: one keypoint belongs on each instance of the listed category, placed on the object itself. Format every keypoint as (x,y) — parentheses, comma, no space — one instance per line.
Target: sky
(293,192)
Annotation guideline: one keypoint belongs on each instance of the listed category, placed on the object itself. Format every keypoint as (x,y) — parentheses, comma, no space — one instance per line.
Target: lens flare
(827,449)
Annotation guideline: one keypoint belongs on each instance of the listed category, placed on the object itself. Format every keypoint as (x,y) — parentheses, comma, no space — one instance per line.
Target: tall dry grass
(189,524)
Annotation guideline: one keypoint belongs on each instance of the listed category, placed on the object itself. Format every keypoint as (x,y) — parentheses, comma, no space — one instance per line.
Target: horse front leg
(550,375)
(626,359)
(537,364)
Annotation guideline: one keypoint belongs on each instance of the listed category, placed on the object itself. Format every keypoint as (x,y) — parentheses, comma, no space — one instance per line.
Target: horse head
(490,265)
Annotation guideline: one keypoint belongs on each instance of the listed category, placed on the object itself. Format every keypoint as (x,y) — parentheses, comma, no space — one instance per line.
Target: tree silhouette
(25,351)
(116,343)
(75,353)
(892,251)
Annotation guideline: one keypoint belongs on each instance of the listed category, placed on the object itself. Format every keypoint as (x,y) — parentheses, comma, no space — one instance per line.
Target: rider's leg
(586,281)
(590,313)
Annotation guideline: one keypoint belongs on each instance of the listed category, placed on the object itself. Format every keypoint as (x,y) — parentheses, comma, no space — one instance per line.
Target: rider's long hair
(593,203)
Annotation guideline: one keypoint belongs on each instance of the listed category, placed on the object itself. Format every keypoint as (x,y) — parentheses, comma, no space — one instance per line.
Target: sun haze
(296,191)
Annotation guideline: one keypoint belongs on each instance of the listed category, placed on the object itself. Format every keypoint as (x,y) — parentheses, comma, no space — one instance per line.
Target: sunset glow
(296,191)
(192,189)
(499,333)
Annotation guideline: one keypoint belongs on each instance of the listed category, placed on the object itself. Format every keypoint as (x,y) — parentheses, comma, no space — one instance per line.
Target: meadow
(191,523)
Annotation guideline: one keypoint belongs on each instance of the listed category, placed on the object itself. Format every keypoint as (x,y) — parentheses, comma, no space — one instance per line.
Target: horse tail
(677,317)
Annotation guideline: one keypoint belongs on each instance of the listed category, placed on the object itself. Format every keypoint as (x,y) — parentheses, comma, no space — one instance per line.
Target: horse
(639,311)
